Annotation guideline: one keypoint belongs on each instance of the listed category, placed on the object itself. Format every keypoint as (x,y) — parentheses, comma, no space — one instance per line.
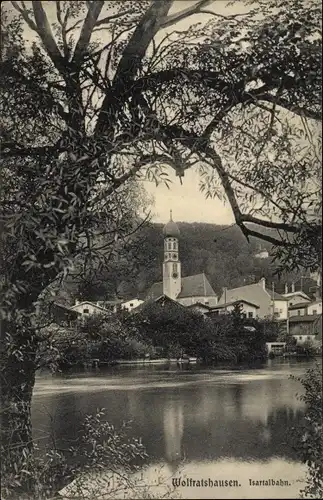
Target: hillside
(221,252)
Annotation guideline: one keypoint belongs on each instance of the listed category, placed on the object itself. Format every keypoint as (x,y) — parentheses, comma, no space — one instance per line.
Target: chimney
(286,288)
(77,302)
(318,293)
(263,282)
(293,287)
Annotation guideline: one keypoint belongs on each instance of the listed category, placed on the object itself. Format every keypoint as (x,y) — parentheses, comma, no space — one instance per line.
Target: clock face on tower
(175,275)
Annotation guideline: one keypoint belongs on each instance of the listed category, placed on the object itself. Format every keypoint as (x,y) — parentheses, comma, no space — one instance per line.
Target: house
(200,308)
(306,308)
(87,308)
(314,307)
(298,309)
(306,328)
(296,297)
(248,309)
(270,303)
(186,290)
(162,300)
(130,305)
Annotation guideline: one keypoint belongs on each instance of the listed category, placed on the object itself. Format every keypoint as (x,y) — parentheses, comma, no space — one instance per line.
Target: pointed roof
(196,286)
(191,286)
(171,228)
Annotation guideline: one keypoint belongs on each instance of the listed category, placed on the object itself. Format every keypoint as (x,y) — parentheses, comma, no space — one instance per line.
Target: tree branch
(131,59)
(90,21)
(189,11)
(45,33)
(107,19)
(25,16)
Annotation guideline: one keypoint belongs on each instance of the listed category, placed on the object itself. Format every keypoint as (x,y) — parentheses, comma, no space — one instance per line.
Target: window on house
(131,304)
(308,337)
(314,311)
(300,338)
(86,311)
(250,314)
(206,302)
(298,312)
(174,267)
(243,315)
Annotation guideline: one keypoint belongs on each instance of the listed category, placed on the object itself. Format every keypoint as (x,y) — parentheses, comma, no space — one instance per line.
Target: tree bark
(18,364)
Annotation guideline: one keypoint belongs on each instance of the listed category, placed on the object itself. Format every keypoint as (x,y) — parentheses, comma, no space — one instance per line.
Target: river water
(200,426)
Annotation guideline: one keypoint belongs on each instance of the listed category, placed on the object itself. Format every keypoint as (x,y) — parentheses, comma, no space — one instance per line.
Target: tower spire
(171,214)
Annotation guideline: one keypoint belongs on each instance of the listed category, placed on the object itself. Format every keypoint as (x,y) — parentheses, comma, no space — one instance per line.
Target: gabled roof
(65,309)
(196,286)
(192,286)
(300,305)
(161,299)
(87,302)
(298,292)
(199,304)
(276,296)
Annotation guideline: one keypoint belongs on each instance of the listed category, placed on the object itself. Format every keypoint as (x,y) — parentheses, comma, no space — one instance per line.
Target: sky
(186,201)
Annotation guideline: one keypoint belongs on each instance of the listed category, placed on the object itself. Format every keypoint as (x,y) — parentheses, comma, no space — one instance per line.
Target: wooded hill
(221,252)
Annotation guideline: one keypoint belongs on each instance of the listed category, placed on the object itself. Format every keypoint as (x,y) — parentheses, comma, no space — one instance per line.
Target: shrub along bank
(161,332)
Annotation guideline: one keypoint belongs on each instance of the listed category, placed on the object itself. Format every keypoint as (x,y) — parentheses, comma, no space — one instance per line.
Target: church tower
(171,266)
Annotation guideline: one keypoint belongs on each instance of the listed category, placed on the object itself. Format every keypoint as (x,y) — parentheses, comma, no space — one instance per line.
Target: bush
(101,449)
(309,435)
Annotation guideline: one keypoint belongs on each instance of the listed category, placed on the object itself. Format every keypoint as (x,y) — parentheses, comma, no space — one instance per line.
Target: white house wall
(131,304)
(315,308)
(92,309)
(281,309)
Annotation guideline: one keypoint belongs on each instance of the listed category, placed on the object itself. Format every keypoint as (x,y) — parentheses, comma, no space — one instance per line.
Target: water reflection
(202,415)
(173,430)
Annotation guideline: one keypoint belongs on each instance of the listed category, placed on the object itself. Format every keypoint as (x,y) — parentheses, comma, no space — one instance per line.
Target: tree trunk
(18,357)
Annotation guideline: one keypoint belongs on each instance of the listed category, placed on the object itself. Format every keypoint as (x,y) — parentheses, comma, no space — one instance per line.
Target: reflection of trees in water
(198,422)
(173,430)
(245,438)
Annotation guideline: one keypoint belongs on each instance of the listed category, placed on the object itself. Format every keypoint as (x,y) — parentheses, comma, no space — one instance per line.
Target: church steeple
(171,264)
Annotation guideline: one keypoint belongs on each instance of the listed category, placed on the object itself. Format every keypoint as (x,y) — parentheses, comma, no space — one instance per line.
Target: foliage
(84,115)
(179,330)
(309,435)
(102,448)
(106,338)
(308,349)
